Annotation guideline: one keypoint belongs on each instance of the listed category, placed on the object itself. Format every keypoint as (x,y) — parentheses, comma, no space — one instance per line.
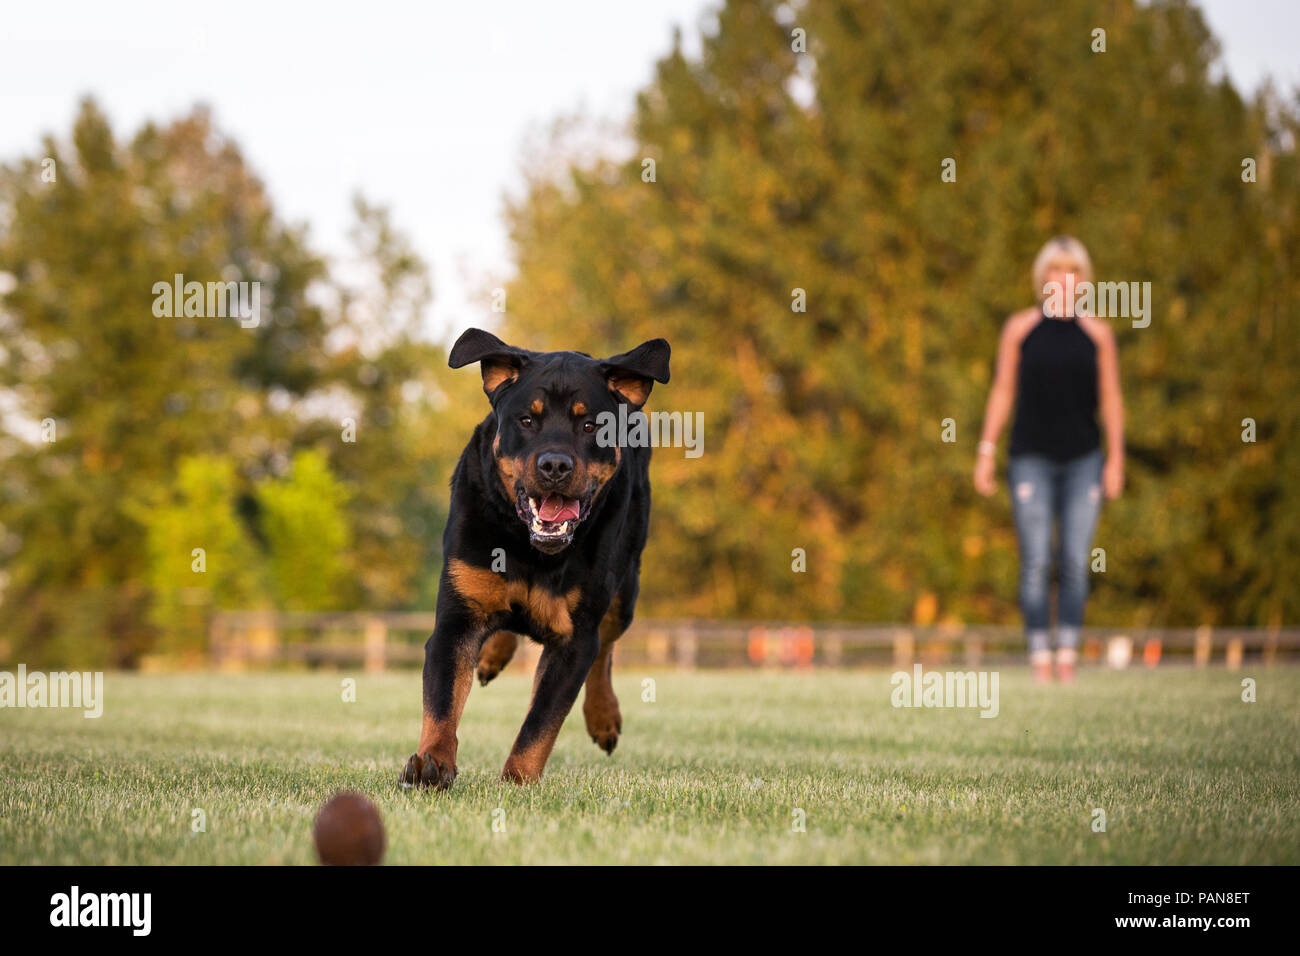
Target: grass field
(710,772)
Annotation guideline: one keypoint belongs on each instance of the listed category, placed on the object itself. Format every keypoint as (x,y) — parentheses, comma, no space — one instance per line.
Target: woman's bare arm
(1001,396)
(1111,402)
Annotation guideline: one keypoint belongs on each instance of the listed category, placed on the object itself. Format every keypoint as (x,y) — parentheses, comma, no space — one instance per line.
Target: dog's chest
(530,606)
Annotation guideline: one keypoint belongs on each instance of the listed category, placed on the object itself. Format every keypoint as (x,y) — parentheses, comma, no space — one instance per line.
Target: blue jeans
(1046,492)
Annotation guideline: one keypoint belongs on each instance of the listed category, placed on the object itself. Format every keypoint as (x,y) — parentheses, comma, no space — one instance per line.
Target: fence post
(530,654)
(376,644)
(1270,643)
(263,637)
(687,646)
(1201,655)
(217,639)
(656,645)
(1233,656)
(904,647)
(833,649)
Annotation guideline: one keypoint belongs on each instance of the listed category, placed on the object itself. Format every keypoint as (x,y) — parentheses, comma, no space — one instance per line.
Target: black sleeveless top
(1056,392)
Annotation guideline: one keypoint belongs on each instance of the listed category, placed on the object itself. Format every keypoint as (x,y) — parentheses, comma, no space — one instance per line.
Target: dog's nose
(554,467)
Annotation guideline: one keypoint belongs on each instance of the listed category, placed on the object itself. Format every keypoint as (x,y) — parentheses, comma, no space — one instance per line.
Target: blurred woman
(1056,370)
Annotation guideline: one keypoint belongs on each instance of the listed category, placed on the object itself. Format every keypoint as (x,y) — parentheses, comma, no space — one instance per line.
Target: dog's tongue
(558,508)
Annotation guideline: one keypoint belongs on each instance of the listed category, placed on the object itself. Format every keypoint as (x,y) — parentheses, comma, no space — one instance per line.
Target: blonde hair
(1056,248)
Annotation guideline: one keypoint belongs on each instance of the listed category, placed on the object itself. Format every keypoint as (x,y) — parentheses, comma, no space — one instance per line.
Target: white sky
(426,107)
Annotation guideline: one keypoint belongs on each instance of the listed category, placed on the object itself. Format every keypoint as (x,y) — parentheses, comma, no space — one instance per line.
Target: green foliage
(306,531)
(779,171)
(198,514)
(131,395)
(776,171)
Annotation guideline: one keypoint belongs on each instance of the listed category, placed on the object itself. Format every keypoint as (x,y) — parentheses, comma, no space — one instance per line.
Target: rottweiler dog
(547,522)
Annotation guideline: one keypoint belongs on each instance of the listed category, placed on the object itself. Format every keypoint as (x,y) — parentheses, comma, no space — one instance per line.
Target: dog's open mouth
(552,519)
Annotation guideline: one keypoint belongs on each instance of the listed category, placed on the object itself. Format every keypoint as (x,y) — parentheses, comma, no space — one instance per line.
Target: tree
(780,172)
(306,530)
(200,556)
(107,388)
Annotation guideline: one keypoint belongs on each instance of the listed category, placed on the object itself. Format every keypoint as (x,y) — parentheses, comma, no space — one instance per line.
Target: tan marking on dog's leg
(525,764)
(599,704)
(555,688)
(495,654)
(438,738)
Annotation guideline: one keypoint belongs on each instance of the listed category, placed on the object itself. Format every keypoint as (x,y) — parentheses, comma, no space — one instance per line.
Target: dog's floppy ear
(498,362)
(632,374)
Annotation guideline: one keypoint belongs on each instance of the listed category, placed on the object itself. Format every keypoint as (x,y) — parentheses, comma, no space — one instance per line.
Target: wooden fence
(376,641)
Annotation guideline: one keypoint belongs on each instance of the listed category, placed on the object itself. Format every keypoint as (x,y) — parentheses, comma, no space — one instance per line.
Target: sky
(430,108)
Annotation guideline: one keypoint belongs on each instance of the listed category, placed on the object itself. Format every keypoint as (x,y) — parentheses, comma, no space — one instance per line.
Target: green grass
(709,773)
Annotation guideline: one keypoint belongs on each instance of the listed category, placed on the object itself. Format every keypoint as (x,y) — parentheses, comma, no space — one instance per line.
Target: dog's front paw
(426,770)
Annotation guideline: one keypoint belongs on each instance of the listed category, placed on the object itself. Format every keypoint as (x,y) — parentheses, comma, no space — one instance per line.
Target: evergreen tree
(777,170)
(107,389)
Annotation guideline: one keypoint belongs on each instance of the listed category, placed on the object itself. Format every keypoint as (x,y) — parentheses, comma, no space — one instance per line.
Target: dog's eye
(588,427)
(526,421)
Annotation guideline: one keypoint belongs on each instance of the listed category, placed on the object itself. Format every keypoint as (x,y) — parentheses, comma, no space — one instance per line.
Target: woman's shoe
(1040,665)
(1065,661)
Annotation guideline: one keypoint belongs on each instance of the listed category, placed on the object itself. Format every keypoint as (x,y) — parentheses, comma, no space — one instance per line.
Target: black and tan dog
(544,538)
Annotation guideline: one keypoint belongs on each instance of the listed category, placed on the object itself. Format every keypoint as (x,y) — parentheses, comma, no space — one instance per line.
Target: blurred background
(393,180)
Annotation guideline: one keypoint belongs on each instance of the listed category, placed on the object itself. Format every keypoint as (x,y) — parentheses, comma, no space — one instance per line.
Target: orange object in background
(792,647)
(786,648)
(803,647)
(1092,648)
(1151,652)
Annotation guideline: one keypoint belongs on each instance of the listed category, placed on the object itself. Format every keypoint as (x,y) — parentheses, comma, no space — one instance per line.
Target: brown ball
(348,831)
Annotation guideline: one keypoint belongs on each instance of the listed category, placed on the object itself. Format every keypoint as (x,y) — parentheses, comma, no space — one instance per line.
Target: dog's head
(550,454)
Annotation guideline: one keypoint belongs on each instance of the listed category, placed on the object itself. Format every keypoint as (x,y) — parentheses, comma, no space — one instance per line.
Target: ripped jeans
(1046,492)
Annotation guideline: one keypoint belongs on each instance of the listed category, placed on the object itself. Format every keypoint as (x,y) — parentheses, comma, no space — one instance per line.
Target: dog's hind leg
(495,655)
(599,704)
